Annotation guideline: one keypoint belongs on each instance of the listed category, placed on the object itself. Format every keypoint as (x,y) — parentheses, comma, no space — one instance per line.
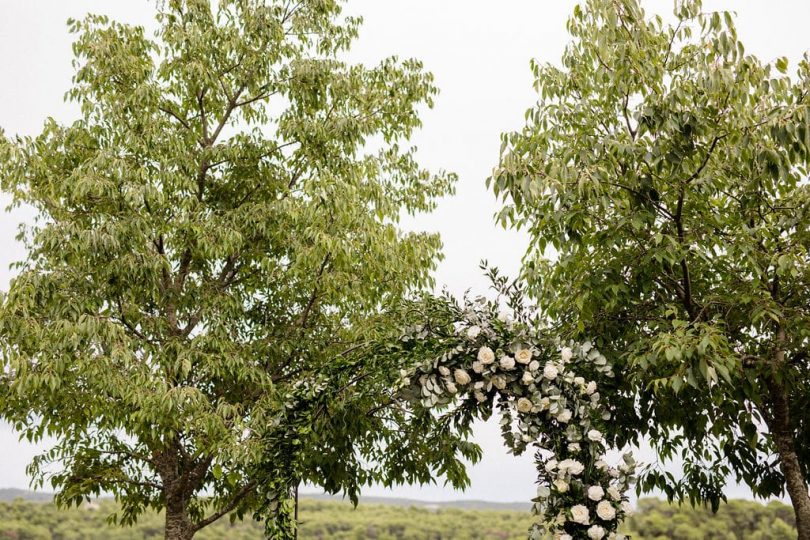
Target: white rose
(566,354)
(614,473)
(451,387)
(528,378)
(524,405)
(485,355)
(444,371)
(461,377)
(480,396)
(477,367)
(550,372)
(595,435)
(627,508)
(579,381)
(596,493)
(600,464)
(523,356)
(590,388)
(544,403)
(605,511)
(574,448)
(507,362)
(573,466)
(473,331)
(614,493)
(534,365)
(596,532)
(551,465)
(579,514)
(561,485)
(498,382)
(564,417)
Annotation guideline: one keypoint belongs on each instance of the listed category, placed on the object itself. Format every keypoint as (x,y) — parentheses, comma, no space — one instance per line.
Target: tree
(216,247)
(667,169)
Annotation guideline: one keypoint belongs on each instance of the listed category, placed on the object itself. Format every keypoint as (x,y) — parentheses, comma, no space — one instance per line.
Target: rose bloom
(550,372)
(498,382)
(579,381)
(566,354)
(451,388)
(564,417)
(534,365)
(507,362)
(561,485)
(523,356)
(461,376)
(600,464)
(605,511)
(444,371)
(596,493)
(627,508)
(591,388)
(524,405)
(528,378)
(477,367)
(614,493)
(480,396)
(595,435)
(596,533)
(579,514)
(573,466)
(574,448)
(544,403)
(485,355)
(473,331)
(551,465)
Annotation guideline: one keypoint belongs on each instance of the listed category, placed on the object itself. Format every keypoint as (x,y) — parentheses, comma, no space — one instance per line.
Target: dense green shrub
(333,520)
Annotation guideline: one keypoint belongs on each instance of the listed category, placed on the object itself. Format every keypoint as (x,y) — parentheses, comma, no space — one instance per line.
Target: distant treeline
(333,520)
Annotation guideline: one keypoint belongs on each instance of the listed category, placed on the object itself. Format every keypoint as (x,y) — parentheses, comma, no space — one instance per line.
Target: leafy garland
(547,395)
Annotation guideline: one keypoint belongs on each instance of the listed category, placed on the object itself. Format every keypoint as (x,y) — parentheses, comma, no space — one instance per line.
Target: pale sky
(479,51)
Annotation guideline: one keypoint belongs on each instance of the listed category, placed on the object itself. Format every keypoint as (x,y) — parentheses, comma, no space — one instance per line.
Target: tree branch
(243,492)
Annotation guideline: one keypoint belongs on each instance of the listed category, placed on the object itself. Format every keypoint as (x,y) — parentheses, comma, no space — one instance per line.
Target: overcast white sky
(479,51)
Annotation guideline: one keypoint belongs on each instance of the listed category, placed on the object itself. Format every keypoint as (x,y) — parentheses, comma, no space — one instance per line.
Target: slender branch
(308,309)
(176,116)
(243,492)
(705,159)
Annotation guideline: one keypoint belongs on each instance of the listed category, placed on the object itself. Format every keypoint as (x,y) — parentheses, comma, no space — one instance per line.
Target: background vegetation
(322,519)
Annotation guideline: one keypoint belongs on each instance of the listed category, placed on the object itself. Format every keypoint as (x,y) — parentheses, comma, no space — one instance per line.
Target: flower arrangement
(547,394)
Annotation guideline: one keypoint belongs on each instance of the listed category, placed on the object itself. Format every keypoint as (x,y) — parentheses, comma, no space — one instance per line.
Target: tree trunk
(178,525)
(779,426)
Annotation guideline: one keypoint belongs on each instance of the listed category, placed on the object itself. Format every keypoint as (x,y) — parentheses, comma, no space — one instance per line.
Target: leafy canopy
(216,242)
(664,172)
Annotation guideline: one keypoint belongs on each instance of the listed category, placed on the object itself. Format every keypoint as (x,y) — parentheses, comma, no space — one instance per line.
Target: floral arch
(547,395)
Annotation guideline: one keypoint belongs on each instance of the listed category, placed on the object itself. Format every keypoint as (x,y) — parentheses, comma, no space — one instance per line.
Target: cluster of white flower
(551,407)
